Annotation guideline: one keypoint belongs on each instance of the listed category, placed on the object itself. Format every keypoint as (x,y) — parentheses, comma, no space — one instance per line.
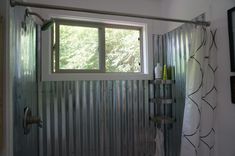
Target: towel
(159,140)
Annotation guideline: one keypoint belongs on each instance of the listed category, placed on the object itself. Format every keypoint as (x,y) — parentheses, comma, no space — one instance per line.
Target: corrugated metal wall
(23,80)
(97,118)
(175,53)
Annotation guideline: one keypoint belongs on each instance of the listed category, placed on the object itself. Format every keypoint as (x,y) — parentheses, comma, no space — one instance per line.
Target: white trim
(96,76)
(147,74)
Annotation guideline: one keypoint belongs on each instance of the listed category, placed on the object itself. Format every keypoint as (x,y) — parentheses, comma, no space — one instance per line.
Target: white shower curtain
(200,103)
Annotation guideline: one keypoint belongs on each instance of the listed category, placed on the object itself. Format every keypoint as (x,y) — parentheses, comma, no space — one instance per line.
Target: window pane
(78,47)
(122,47)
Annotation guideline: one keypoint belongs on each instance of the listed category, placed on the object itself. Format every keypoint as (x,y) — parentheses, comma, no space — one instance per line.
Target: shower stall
(95,118)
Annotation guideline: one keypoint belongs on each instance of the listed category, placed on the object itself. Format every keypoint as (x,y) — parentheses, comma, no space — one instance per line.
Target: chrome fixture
(29,120)
(45,23)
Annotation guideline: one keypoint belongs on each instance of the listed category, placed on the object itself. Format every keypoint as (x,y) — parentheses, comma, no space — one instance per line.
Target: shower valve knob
(29,120)
(34,120)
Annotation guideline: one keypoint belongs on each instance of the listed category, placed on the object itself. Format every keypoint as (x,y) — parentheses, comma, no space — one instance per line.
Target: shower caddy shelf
(163,82)
(162,101)
(162,120)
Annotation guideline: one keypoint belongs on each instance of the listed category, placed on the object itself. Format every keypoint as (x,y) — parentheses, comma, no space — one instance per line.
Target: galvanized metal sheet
(23,80)
(97,118)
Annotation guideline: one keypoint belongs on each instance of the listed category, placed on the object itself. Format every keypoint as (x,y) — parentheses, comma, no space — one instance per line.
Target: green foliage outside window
(79,49)
(122,47)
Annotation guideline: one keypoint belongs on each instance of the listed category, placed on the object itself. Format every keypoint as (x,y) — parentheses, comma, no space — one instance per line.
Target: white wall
(143,7)
(183,9)
(216,12)
(6,149)
(147,7)
(226,110)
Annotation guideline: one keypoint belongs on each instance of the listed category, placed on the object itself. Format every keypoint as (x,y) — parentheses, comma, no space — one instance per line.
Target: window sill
(95,76)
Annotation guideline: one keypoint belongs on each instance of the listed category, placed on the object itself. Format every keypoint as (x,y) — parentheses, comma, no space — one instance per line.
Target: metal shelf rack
(163,98)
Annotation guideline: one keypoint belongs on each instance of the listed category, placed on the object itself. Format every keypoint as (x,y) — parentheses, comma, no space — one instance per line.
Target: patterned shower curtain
(200,100)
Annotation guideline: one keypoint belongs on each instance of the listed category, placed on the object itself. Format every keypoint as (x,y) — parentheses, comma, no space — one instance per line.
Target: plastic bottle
(158,71)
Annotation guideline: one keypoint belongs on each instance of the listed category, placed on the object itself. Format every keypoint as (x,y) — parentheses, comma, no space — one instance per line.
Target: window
(90,47)
(94,48)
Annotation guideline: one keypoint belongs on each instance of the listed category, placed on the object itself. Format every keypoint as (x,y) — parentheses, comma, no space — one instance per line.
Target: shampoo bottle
(158,71)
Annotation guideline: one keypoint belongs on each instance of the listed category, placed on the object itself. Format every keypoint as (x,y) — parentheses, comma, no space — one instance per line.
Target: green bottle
(164,73)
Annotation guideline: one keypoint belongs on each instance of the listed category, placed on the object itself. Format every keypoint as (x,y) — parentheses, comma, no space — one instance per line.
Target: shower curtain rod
(56,7)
